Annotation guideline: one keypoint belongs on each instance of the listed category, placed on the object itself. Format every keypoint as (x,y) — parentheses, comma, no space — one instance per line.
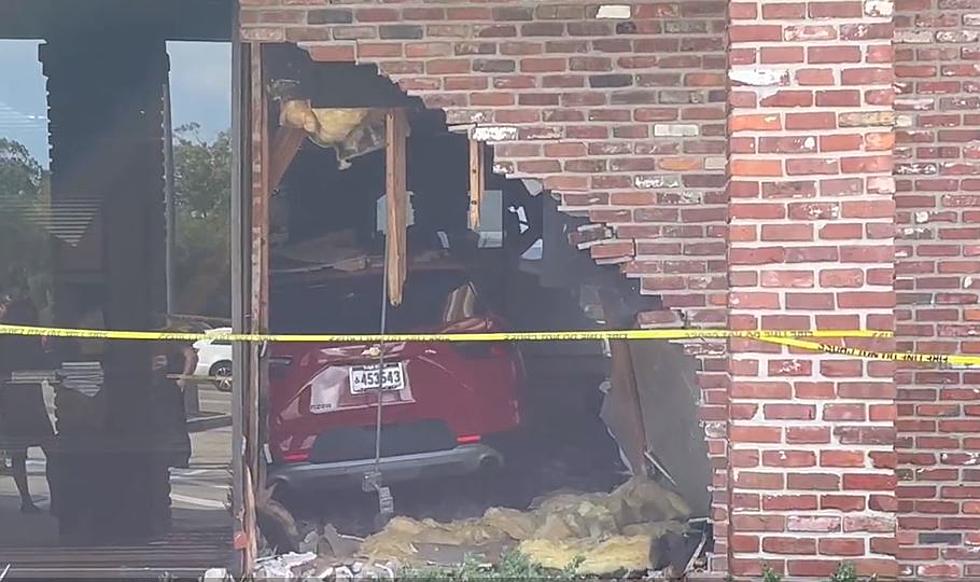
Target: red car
(443,403)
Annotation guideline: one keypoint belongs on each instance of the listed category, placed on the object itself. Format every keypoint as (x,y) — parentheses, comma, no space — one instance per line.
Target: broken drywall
(668,394)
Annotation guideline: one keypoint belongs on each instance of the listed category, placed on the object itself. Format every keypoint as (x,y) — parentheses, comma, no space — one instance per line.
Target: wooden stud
(477,181)
(396,204)
(258,302)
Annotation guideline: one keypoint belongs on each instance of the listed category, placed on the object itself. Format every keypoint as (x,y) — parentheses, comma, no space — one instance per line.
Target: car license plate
(363,378)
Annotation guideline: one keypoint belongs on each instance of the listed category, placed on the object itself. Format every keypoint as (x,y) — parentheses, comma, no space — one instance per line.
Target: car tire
(222,370)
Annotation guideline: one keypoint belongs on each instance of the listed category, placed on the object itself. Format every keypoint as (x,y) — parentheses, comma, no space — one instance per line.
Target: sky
(200,77)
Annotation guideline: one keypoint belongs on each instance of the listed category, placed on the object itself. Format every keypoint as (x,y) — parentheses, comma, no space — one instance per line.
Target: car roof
(217,330)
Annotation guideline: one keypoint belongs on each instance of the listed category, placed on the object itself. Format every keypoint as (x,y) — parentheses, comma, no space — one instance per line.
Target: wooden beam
(477,182)
(285,144)
(396,203)
(258,302)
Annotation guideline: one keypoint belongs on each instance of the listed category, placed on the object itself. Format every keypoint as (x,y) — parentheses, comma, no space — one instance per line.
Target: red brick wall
(938,267)
(810,246)
(623,117)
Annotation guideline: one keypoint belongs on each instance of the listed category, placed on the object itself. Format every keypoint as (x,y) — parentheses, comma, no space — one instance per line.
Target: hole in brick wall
(553,430)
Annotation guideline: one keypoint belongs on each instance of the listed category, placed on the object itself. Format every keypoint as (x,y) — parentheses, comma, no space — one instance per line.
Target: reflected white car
(214,359)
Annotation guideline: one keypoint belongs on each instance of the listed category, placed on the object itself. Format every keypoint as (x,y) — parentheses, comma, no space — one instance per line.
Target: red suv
(443,404)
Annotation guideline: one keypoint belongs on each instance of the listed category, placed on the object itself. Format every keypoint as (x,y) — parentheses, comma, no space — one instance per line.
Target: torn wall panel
(667,389)
(622,410)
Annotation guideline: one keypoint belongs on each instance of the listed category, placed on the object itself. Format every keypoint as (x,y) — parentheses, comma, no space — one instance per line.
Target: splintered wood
(477,181)
(285,144)
(396,203)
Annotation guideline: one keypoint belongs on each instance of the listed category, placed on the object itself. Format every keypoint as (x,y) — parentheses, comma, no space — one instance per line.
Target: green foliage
(202,172)
(846,572)
(202,192)
(513,566)
(770,575)
(25,260)
(21,176)
(202,187)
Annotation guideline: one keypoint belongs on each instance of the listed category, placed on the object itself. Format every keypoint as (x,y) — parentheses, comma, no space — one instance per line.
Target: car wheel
(222,374)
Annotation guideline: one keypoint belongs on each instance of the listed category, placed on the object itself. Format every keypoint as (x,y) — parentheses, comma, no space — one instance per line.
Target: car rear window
(430,299)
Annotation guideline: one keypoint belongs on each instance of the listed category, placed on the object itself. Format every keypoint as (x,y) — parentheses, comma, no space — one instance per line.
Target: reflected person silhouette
(24,420)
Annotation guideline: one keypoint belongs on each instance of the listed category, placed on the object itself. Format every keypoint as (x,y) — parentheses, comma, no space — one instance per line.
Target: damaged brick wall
(619,109)
(810,246)
(938,282)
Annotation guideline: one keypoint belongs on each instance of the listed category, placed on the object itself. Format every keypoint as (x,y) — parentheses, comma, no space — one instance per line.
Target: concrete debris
(759,77)
(601,532)
(216,575)
(614,12)
(291,566)
(494,133)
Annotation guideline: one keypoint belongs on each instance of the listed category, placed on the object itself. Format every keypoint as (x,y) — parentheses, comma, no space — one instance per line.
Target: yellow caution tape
(790,338)
(536,336)
(945,359)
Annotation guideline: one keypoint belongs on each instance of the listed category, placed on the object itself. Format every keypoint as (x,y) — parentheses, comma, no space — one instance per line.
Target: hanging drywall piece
(477,182)
(349,132)
(396,130)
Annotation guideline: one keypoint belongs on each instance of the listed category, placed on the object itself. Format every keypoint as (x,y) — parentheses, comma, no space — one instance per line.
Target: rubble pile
(631,529)
(308,567)
(596,533)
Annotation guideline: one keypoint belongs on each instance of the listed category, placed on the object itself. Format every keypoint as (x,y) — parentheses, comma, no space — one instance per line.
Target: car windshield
(430,300)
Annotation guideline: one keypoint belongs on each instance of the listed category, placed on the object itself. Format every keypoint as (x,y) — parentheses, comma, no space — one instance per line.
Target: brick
(841,547)
(754,33)
(853,412)
(869,482)
(789,545)
(813,524)
(842,503)
(834,54)
(332,53)
(377,15)
(745,434)
(401,31)
(757,480)
(813,481)
(759,523)
(755,122)
(808,77)
(835,9)
(789,459)
(811,120)
(329,16)
(788,98)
